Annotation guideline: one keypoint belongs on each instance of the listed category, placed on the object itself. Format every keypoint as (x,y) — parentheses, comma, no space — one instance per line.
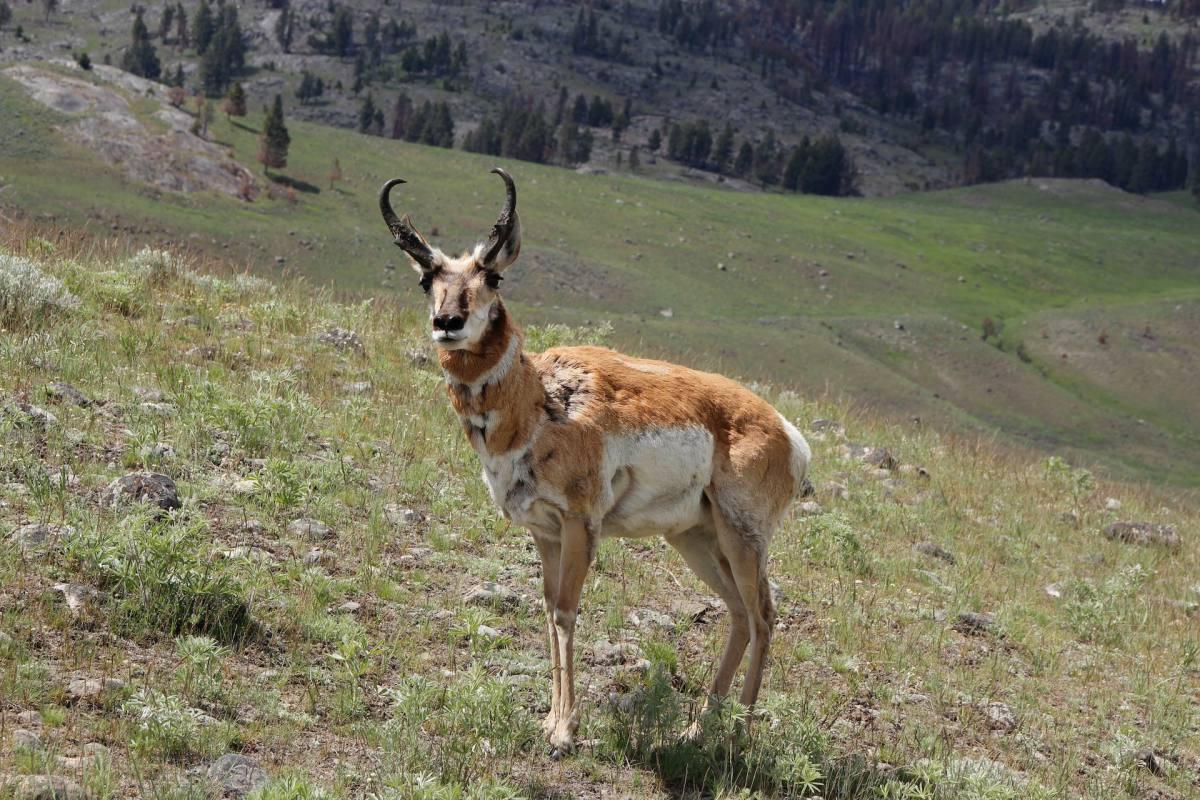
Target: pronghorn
(579,443)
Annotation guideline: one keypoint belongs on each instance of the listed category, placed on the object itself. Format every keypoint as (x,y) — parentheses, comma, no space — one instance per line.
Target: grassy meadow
(883,300)
(955,627)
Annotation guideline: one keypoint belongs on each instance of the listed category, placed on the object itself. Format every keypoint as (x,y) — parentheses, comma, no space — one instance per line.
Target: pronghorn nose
(448,322)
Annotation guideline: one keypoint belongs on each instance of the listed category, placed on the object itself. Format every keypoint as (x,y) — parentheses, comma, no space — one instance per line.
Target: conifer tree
(274,140)
(203,28)
(745,160)
(723,150)
(235,102)
(6,14)
(366,114)
(140,58)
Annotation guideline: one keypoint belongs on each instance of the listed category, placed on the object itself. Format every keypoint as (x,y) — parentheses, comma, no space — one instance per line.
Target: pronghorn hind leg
(699,549)
(550,552)
(744,549)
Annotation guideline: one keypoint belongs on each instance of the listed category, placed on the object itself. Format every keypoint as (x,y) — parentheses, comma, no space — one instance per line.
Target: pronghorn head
(463,291)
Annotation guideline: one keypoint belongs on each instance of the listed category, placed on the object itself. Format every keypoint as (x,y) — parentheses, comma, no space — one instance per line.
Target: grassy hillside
(881,301)
(140,646)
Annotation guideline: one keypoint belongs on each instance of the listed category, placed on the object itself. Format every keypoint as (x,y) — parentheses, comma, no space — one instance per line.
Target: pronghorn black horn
(407,238)
(502,240)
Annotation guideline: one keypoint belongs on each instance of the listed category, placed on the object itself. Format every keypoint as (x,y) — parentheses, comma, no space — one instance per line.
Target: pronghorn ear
(504,245)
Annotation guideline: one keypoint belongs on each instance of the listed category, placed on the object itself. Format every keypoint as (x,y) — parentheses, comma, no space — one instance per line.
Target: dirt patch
(105,123)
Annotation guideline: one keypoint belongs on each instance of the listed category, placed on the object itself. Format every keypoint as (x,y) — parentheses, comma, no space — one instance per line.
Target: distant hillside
(1089,296)
(923,94)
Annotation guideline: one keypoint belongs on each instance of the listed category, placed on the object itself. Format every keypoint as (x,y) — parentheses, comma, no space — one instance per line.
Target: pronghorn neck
(493,387)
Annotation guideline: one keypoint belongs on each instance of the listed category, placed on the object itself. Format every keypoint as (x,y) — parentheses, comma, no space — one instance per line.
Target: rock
(914,470)
(1144,533)
(91,753)
(882,474)
(253,527)
(487,632)
(92,690)
(357,387)
(607,654)
(142,487)
(826,426)
(935,551)
(237,774)
(31,415)
(811,508)
(29,718)
(158,409)
(1112,504)
(243,487)
(250,554)
(834,489)
(318,557)
(400,516)
(201,353)
(1069,517)
(348,607)
(492,594)
(999,716)
(160,451)
(147,395)
(647,617)
(341,338)
(807,489)
(24,739)
(1145,758)
(310,529)
(878,457)
(970,623)
(76,596)
(666,313)
(1053,590)
(60,391)
(47,787)
(37,536)
(417,357)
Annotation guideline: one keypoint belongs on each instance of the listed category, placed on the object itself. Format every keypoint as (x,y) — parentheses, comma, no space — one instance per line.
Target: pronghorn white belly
(657,478)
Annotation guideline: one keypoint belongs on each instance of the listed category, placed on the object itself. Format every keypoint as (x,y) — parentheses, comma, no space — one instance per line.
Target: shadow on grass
(296,183)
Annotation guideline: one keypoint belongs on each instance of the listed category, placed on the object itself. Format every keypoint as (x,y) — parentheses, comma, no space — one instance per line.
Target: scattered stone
(243,487)
(880,474)
(142,487)
(201,353)
(909,698)
(417,357)
(777,593)
(257,554)
(999,716)
(878,457)
(914,470)
(60,391)
(48,787)
(357,387)
(92,752)
(29,718)
(1053,590)
(648,617)
(24,739)
(349,607)
(487,632)
(317,557)
(31,415)
(807,489)
(935,551)
(218,451)
(811,508)
(607,654)
(970,623)
(310,528)
(1144,533)
(91,690)
(253,527)
(1069,517)
(492,594)
(147,395)
(837,490)
(693,611)
(1145,758)
(1112,504)
(400,516)
(158,409)
(826,426)
(666,313)
(38,536)
(341,338)
(237,774)
(76,596)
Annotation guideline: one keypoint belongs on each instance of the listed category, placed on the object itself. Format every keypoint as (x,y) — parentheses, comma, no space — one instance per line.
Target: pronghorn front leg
(578,546)
(550,551)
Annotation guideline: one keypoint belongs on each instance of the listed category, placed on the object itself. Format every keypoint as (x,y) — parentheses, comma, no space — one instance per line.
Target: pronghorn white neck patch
(498,371)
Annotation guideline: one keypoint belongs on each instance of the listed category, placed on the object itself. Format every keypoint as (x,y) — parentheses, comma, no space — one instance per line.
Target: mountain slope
(333,607)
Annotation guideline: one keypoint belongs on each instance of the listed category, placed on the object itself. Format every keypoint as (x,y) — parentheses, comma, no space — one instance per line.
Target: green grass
(623,248)
(872,691)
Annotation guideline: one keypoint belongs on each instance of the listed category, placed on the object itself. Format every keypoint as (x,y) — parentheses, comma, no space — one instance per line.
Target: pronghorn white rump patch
(655,480)
(801,452)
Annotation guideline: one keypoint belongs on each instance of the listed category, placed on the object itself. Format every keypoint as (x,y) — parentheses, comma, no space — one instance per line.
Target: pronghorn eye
(493,280)
(426,283)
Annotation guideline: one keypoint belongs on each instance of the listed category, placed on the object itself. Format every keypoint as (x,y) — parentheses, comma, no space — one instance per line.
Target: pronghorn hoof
(550,724)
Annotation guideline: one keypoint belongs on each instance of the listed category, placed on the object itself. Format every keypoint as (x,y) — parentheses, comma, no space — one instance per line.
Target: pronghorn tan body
(581,443)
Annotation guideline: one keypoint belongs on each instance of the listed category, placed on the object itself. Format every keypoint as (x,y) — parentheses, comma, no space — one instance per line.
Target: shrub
(166,727)
(1099,613)
(542,337)
(29,296)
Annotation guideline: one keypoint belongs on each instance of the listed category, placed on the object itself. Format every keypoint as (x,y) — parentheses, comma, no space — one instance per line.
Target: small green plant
(289,786)
(1101,613)
(199,671)
(1077,483)
(543,337)
(164,725)
(831,539)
